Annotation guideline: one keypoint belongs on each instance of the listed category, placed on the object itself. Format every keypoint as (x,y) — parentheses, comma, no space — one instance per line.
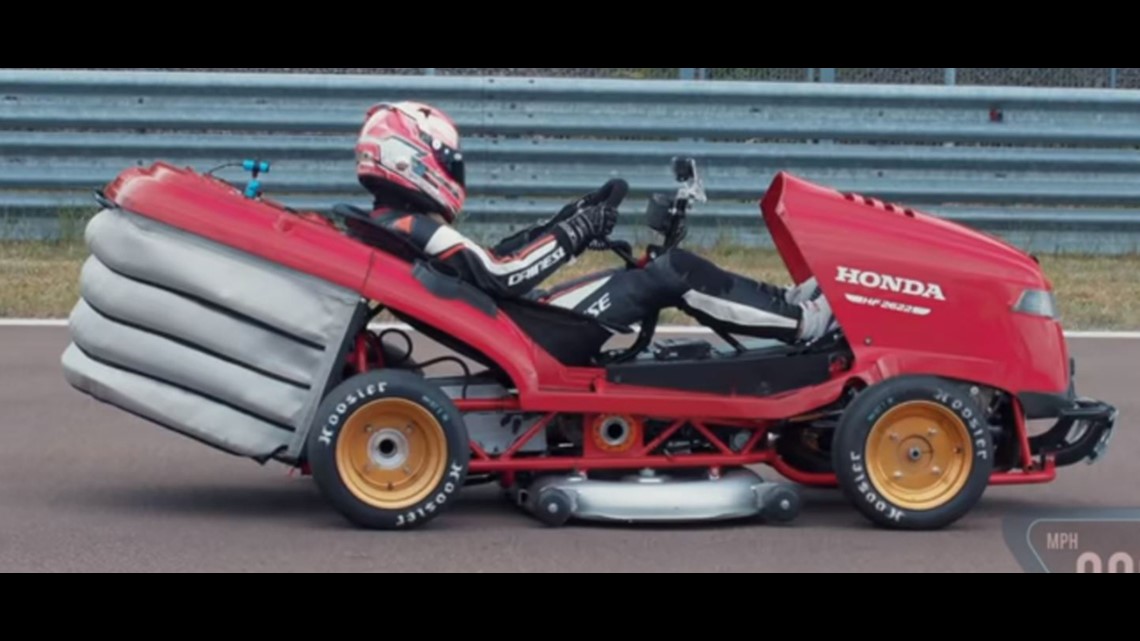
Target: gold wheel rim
(392,454)
(920,456)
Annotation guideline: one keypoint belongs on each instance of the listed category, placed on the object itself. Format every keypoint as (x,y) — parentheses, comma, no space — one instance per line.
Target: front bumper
(1084,427)
(1083,433)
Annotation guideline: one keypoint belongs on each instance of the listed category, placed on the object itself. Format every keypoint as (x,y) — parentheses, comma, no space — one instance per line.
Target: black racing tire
(914,453)
(389,451)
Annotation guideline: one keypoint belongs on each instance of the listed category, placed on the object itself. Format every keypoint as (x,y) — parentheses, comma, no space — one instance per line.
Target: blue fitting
(257,166)
(253,189)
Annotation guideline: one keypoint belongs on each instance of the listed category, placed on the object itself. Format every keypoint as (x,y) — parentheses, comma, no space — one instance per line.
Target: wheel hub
(392,453)
(920,455)
(388,449)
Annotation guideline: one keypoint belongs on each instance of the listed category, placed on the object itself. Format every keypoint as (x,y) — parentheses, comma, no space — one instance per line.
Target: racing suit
(679,279)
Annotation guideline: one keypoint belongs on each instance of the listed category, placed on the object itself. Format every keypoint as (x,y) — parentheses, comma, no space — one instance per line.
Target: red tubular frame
(643,458)
(711,438)
(1033,477)
(803,478)
(633,463)
(1032,472)
(1022,429)
(478,452)
(475,406)
(669,433)
(528,437)
(360,354)
(501,465)
(507,464)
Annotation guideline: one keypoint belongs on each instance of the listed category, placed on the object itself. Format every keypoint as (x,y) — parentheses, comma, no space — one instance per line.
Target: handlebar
(612,194)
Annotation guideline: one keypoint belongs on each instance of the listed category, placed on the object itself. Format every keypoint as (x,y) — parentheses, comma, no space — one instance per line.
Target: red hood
(911,283)
(808,221)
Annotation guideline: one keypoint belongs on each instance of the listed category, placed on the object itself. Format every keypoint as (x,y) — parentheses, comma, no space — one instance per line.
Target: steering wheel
(613,194)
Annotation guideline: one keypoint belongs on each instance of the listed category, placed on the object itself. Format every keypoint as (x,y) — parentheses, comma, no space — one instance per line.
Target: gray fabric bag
(206,340)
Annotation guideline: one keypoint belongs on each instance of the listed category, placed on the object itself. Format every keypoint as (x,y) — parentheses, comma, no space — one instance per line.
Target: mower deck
(652,498)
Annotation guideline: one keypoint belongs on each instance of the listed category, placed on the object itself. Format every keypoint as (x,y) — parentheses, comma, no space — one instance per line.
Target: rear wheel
(914,454)
(389,450)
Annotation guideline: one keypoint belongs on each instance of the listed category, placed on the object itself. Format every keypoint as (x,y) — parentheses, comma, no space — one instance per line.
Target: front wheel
(914,453)
(389,450)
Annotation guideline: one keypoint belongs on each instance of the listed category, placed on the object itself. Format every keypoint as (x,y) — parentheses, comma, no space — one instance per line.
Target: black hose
(407,341)
(463,365)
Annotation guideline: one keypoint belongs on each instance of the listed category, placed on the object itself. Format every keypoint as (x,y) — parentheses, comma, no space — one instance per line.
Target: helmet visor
(451,160)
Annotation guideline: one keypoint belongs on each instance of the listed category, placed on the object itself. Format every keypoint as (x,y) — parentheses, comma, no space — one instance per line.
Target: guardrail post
(429,71)
(810,74)
(1114,77)
(951,76)
(827,74)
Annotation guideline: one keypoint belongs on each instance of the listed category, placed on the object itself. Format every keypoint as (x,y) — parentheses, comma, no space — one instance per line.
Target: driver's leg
(622,298)
(735,304)
(718,299)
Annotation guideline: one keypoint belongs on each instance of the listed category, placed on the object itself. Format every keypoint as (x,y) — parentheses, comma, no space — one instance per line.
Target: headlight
(1036,302)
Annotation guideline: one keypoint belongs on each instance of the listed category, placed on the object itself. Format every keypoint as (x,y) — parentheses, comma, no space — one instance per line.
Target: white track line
(666,330)
(32,323)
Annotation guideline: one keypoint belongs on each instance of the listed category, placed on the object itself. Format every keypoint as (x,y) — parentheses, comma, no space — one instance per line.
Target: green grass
(41,280)
(1097,292)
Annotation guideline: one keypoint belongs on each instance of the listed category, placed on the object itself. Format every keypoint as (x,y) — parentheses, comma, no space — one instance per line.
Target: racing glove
(590,226)
(526,236)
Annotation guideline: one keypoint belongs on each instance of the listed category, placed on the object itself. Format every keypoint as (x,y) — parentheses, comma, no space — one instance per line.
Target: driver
(408,157)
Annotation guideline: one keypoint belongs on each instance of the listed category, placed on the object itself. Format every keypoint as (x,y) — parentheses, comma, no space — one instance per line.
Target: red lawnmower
(246,325)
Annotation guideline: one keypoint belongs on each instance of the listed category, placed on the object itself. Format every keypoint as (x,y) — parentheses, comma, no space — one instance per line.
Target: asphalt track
(86,488)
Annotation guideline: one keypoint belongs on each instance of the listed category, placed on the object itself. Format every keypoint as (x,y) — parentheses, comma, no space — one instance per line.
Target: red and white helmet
(408,156)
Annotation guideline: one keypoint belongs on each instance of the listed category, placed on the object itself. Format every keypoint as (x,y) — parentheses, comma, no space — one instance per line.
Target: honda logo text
(895,284)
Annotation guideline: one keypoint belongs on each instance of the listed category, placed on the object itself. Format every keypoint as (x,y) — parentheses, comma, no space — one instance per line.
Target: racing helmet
(408,156)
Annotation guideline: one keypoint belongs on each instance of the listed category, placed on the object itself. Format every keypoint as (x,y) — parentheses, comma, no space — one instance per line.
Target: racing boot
(819,321)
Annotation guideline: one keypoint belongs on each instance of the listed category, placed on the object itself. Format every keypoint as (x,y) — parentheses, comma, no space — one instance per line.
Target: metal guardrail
(1055,169)
(1075,77)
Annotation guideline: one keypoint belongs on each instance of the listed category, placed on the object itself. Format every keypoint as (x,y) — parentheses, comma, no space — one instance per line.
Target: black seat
(363,228)
(572,338)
